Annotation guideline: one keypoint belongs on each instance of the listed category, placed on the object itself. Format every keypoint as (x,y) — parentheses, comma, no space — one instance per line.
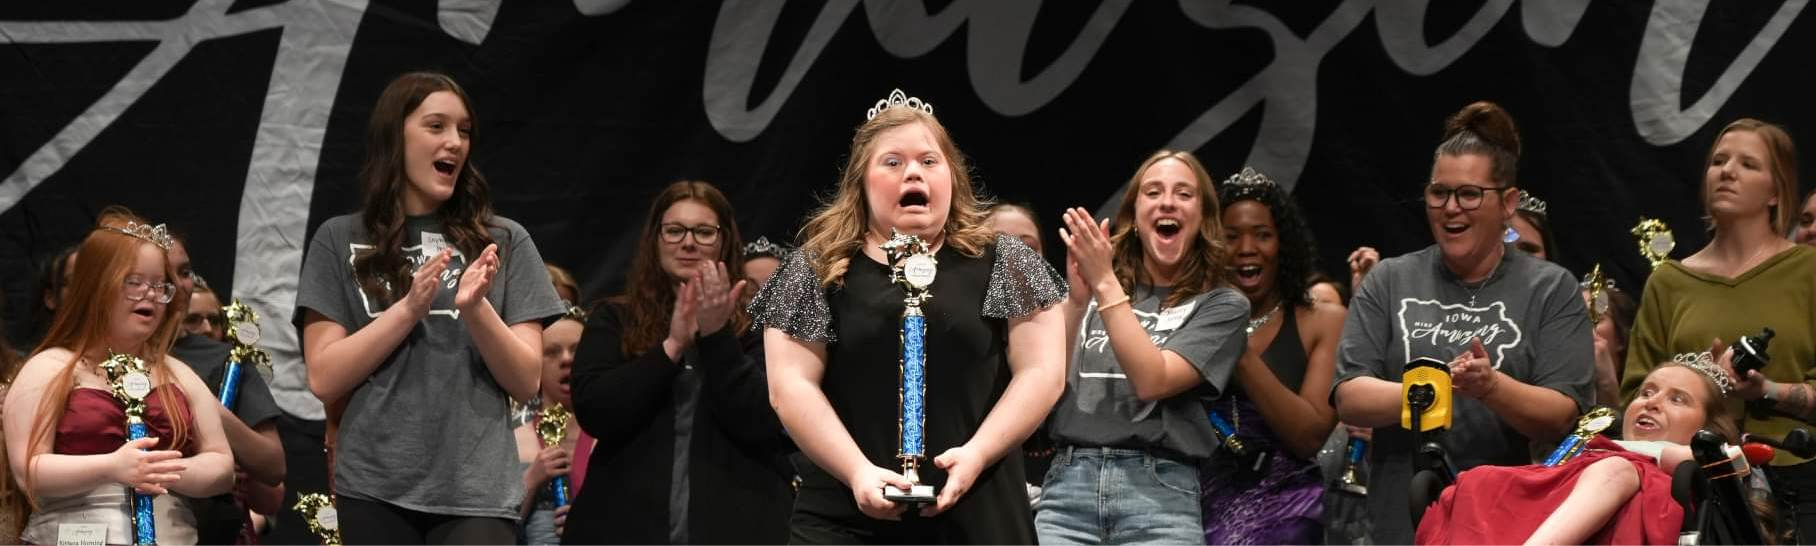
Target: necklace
(1491,271)
(1257,323)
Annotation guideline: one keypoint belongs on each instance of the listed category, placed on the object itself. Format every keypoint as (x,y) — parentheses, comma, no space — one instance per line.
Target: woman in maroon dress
(64,424)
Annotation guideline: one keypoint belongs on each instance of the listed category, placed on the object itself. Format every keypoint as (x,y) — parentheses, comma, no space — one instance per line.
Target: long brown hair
(834,232)
(384,269)
(1781,161)
(1203,269)
(103,261)
(649,296)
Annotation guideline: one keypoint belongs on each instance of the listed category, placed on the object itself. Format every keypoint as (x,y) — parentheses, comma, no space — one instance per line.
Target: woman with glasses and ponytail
(66,433)
(670,379)
(1512,328)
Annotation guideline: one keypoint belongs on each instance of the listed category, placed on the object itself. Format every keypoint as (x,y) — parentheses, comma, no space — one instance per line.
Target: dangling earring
(1510,235)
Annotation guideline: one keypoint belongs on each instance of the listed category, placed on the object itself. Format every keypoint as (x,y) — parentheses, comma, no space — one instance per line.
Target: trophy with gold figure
(913,267)
(552,428)
(242,327)
(1591,424)
(319,513)
(131,383)
(1600,302)
(1655,240)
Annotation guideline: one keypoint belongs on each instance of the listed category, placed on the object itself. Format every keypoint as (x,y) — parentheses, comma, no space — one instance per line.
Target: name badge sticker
(82,534)
(1172,319)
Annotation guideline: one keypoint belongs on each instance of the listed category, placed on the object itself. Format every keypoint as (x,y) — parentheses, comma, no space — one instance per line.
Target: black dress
(686,454)
(967,371)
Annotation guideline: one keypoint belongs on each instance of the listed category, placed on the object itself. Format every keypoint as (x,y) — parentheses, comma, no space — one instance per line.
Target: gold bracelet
(1102,307)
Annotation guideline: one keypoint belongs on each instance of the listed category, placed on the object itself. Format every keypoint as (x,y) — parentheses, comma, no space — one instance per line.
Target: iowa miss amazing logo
(1434,329)
(432,243)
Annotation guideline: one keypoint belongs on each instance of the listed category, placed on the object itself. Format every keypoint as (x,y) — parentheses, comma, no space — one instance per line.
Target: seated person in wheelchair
(1613,492)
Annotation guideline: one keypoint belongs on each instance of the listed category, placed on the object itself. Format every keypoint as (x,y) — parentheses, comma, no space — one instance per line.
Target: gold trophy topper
(131,381)
(553,426)
(1655,240)
(1599,301)
(243,332)
(318,511)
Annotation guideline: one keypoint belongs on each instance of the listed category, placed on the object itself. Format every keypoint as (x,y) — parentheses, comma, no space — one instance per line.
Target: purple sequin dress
(1282,502)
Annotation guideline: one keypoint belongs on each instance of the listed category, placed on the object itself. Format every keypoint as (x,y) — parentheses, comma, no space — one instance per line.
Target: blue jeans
(1104,495)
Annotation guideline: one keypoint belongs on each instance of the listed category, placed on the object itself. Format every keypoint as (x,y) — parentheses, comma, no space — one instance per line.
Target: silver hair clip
(157,235)
(898,98)
(1704,363)
(1250,178)
(1531,203)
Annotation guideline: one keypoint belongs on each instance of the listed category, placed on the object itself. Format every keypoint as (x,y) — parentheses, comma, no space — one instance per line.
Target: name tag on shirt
(82,534)
(1172,319)
(432,243)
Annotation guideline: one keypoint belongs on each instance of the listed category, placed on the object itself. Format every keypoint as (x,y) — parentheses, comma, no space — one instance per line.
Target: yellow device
(1426,384)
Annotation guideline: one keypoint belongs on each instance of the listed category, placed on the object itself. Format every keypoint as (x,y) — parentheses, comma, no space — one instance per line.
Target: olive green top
(1683,311)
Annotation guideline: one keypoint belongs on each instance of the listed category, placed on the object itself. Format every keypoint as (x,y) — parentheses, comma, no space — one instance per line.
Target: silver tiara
(1531,203)
(898,98)
(157,235)
(762,247)
(1704,363)
(1249,178)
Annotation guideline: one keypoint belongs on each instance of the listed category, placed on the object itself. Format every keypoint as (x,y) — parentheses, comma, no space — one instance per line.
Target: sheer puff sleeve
(1021,281)
(793,302)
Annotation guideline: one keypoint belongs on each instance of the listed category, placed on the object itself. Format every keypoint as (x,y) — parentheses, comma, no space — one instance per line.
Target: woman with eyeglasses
(1512,328)
(670,379)
(422,315)
(65,429)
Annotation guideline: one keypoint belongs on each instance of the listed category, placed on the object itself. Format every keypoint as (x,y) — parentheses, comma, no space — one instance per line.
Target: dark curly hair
(1295,263)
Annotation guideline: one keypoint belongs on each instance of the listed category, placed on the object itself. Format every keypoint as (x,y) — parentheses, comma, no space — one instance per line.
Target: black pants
(305,471)
(368,522)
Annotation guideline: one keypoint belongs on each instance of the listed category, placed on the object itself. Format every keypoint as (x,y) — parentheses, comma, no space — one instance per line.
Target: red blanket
(1505,504)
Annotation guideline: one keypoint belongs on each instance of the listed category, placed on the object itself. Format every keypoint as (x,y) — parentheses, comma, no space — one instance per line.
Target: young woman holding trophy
(916,445)
(84,442)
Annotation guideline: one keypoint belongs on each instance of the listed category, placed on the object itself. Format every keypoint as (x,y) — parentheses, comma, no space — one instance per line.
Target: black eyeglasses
(137,289)
(1469,197)
(703,234)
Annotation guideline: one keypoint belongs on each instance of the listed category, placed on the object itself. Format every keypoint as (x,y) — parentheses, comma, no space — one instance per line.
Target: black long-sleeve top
(734,464)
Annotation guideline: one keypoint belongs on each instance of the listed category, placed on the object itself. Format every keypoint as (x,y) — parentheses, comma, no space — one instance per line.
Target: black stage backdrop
(241,122)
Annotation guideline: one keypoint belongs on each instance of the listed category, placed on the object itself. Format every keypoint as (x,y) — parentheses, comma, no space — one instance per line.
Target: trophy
(1351,482)
(131,383)
(1655,240)
(318,511)
(552,428)
(242,327)
(912,267)
(1598,287)
(1589,425)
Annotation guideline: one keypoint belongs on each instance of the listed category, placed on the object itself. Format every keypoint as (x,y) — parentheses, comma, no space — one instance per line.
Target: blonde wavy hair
(832,233)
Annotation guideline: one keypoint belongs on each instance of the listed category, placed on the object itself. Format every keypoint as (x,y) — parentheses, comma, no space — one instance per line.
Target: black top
(219,518)
(967,369)
(734,466)
(1285,356)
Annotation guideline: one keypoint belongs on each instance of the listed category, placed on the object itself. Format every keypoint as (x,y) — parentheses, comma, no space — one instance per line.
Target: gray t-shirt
(1099,407)
(1531,319)
(430,429)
